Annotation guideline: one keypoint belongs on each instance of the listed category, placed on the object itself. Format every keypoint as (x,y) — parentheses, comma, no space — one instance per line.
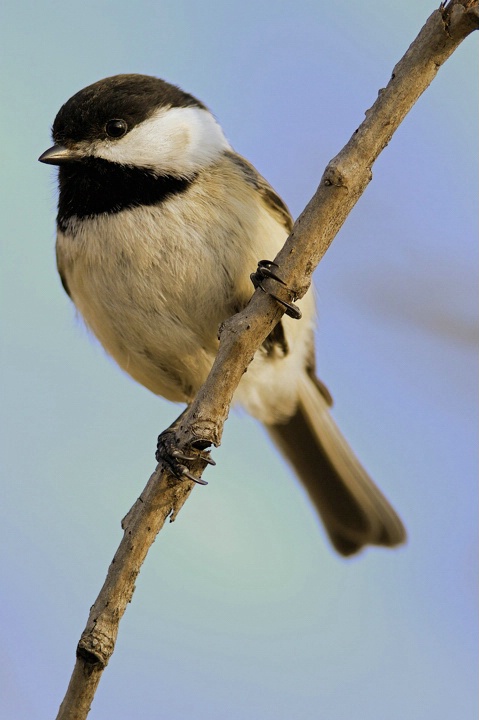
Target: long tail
(353,510)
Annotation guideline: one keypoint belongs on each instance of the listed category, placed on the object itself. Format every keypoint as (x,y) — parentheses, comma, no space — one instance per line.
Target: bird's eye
(116,128)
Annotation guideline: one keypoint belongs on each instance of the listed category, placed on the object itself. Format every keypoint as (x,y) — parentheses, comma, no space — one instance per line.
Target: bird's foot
(265,271)
(168,452)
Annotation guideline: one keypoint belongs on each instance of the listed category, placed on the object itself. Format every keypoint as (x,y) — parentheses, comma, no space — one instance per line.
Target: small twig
(343,181)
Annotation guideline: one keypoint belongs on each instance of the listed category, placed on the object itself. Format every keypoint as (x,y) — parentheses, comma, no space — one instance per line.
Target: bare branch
(342,183)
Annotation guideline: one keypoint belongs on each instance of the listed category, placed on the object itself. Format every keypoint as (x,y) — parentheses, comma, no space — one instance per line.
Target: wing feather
(271,200)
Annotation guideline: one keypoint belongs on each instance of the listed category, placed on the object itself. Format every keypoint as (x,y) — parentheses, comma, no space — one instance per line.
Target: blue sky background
(242,610)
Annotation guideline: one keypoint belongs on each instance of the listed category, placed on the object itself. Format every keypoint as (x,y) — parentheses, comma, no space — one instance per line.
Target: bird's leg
(168,452)
(265,271)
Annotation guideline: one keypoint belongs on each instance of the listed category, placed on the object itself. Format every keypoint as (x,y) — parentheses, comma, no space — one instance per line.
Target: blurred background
(242,610)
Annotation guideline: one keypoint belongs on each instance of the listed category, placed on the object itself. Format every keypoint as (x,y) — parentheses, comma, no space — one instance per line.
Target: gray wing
(278,209)
(270,199)
(276,340)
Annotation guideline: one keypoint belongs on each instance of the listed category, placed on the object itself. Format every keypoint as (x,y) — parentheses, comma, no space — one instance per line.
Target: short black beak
(58,155)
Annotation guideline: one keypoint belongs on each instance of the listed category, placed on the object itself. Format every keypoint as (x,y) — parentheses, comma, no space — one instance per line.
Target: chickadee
(160,223)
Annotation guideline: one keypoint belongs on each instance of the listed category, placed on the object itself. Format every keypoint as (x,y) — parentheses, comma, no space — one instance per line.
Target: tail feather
(353,510)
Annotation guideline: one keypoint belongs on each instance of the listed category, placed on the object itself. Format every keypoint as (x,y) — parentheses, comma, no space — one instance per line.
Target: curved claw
(292,310)
(168,453)
(181,456)
(264,271)
(186,473)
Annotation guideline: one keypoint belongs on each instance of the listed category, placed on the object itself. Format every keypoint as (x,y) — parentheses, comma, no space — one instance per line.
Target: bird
(160,227)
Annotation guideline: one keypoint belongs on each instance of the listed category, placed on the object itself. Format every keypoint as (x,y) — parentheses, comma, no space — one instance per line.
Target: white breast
(154,283)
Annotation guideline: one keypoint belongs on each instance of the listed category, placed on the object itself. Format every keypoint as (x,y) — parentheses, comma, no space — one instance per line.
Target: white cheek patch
(176,141)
